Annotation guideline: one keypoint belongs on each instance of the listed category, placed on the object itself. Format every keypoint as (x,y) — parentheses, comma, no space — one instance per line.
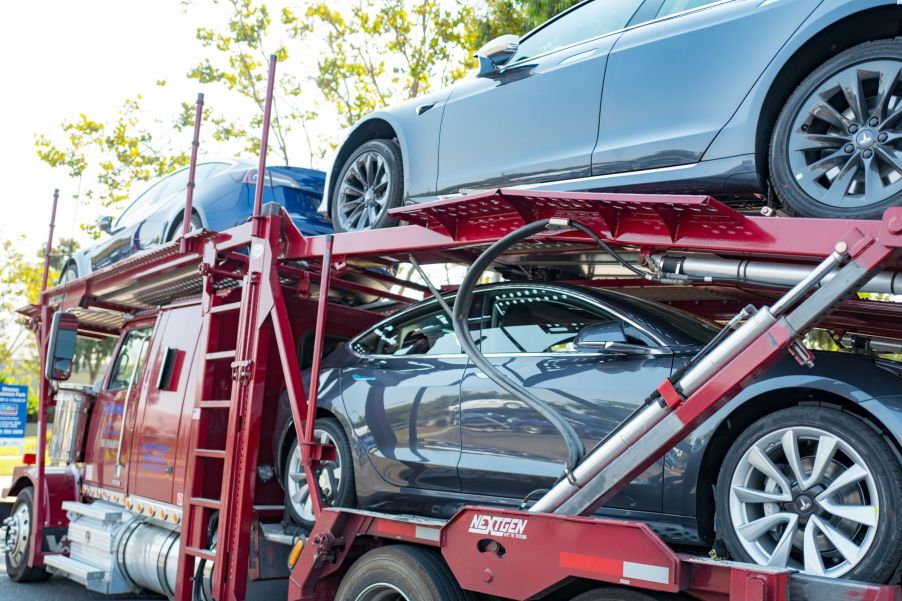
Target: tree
(383,52)
(238,60)
(518,17)
(116,155)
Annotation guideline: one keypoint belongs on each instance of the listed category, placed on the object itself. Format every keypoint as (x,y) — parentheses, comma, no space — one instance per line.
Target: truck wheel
(815,489)
(18,541)
(836,151)
(369,184)
(336,478)
(400,573)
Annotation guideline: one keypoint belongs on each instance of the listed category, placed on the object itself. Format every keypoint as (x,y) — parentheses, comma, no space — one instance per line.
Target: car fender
(739,135)
(683,464)
(60,485)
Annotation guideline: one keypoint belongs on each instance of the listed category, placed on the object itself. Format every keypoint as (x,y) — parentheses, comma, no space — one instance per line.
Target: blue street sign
(13,409)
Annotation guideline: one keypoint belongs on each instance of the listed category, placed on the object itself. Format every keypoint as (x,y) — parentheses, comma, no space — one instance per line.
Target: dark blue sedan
(223,198)
(801,469)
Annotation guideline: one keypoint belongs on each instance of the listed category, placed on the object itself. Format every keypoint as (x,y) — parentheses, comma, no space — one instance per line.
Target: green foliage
(238,59)
(113,155)
(384,52)
(518,17)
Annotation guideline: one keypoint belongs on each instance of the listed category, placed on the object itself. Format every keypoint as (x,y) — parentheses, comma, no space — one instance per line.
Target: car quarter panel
(673,83)
(837,375)
(739,135)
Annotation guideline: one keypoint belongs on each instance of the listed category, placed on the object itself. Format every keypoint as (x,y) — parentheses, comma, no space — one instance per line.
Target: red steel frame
(524,553)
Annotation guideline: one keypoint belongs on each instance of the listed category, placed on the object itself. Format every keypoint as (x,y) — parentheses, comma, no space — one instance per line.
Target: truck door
(112,419)
(154,450)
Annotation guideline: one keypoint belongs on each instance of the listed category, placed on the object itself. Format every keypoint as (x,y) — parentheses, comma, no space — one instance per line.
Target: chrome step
(102,512)
(78,571)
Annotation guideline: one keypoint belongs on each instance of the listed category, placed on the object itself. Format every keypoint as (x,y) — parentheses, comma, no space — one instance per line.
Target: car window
(427,332)
(136,210)
(176,183)
(671,7)
(538,320)
(129,359)
(585,22)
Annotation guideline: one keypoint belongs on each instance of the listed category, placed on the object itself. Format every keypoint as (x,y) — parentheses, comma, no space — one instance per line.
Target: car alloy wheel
(329,477)
(364,192)
(804,498)
(844,146)
(382,591)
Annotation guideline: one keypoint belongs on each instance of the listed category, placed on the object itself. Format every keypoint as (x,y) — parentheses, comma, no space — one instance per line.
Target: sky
(62,58)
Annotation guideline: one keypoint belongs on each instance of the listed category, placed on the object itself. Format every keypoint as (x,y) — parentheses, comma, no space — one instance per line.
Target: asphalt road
(55,589)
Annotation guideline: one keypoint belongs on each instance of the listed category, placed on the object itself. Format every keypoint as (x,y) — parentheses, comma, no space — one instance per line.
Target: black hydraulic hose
(459,318)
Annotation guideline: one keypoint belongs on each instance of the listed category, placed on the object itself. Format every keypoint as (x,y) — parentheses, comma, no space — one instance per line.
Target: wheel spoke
(780,556)
(848,549)
(750,495)
(888,79)
(763,463)
(813,562)
(850,81)
(826,447)
(362,218)
(825,112)
(850,476)
(805,141)
(757,528)
(298,476)
(891,156)
(861,514)
(874,187)
(839,187)
(300,494)
(357,173)
(791,450)
(822,166)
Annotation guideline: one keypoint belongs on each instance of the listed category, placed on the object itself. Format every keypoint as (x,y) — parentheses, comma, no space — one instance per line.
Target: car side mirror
(105,224)
(497,52)
(610,337)
(61,347)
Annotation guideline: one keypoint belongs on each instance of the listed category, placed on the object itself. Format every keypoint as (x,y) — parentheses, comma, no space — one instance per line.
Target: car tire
(369,184)
(830,160)
(175,232)
(403,571)
(830,509)
(69,273)
(17,557)
(297,498)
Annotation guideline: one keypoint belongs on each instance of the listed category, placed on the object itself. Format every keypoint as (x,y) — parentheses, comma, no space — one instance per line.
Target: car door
(674,81)
(536,118)
(402,398)
(508,449)
(112,424)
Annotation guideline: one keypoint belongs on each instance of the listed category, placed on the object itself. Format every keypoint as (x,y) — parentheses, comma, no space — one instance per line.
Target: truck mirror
(61,347)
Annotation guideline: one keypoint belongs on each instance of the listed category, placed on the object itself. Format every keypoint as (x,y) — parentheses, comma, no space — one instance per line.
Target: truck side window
(130,359)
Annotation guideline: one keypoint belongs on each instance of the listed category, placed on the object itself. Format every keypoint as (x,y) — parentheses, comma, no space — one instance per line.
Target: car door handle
(423,108)
(578,56)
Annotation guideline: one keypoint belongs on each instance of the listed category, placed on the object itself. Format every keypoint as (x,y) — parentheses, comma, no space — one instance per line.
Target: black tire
(342,206)
(791,193)
(346,495)
(175,232)
(17,567)
(616,593)
(419,574)
(848,436)
(69,273)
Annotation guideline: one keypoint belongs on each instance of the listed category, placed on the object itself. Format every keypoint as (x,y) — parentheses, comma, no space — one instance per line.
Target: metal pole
(49,247)
(319,334)
(192,169)
(264,137)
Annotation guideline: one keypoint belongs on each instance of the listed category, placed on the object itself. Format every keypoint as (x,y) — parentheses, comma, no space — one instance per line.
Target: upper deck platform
(457,229)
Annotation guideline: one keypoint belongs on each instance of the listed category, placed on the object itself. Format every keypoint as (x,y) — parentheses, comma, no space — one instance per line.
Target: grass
(10,457)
